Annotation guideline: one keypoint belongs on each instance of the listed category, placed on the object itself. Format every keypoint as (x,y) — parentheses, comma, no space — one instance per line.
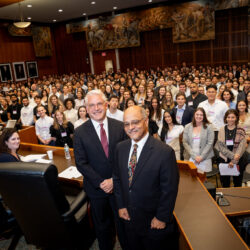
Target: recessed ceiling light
(84,14)
(54,20)
(29,5)
(60,10)
(114,7)
(29,18)
(92,2)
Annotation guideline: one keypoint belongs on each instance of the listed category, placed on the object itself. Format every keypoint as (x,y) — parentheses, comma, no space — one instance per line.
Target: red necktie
(104,140)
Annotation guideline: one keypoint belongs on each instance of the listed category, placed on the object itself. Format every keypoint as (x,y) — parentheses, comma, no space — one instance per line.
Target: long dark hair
(165,127)
(158,109)
(234,112)
(205,121)
(5,136)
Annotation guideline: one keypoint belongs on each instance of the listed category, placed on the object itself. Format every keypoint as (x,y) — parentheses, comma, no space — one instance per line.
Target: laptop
(11,124)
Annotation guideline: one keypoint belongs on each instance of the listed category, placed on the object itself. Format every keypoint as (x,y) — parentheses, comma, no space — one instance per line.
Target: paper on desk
(43,161)
(225,170)
(70,172)
(32,157)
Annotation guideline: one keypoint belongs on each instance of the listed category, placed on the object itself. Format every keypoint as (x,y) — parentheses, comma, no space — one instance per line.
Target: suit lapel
(95,138)
(145,154)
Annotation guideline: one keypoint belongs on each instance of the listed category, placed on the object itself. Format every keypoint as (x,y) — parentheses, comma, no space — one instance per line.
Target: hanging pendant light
(21,24)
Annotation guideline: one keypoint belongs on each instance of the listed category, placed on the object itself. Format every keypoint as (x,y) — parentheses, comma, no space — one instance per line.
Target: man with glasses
(94,146)
(145,185)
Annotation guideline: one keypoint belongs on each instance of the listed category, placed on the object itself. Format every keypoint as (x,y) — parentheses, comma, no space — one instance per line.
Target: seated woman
(10,142)
(231,145)
(172,132)
(53,105)
(82,115)
(62,131)
(198,141)
(228,97)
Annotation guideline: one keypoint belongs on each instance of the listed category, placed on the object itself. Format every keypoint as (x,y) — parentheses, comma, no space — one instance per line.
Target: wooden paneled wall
(19,49)
(71,51)
(231,45)
(157,49)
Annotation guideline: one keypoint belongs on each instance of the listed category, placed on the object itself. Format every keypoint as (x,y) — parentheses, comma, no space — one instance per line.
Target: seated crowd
(201,112)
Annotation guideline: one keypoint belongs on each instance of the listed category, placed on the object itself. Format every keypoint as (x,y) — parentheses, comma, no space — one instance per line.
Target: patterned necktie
(104,140)
(132,164)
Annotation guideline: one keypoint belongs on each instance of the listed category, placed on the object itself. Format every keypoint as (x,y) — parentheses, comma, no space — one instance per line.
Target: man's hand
(123,213)
(230,164)
(107,185)
(157,224)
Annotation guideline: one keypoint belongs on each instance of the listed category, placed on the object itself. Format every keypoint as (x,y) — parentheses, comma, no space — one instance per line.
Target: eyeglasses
(98,105)
(132,123)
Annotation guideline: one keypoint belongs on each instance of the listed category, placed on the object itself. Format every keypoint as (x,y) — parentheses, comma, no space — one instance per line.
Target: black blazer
(90,157)
(187,115)
(154,186)
(6,157)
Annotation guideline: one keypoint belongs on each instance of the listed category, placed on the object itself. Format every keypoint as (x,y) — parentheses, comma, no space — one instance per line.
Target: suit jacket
(206,141)
(187,115)
(90,157)
(154,185)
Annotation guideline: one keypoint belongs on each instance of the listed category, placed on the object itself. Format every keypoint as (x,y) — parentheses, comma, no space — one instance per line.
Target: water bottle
(66,151)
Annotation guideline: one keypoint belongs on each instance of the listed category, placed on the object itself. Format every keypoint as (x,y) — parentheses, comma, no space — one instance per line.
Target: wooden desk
(202,223)
(238,206)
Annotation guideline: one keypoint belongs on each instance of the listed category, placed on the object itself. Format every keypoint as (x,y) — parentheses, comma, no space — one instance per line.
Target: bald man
(145,184)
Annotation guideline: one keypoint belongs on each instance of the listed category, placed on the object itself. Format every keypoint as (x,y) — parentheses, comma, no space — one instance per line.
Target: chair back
(33,194)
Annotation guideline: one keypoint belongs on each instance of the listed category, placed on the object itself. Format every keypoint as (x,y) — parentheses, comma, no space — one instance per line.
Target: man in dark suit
(94,146)
(145,184)
(182,112)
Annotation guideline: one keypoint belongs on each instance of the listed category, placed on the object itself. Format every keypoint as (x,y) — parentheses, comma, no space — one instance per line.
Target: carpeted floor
(22,245)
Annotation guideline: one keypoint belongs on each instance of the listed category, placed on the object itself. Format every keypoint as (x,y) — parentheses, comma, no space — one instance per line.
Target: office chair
(8,226)
(46,218)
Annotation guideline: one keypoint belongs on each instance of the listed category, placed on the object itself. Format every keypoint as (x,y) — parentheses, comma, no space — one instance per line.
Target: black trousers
(105,218)
(138,241)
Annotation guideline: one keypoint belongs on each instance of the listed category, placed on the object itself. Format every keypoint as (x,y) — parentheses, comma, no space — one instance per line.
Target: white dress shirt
(43,127)
(71,115)
(27,115)
(215,112)
(97,127)
(118,115)
(140,145)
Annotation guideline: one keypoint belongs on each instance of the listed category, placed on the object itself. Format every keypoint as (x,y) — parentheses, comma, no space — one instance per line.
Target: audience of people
(193,100)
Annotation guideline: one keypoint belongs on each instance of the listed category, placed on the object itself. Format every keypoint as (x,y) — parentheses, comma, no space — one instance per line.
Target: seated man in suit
(145,184)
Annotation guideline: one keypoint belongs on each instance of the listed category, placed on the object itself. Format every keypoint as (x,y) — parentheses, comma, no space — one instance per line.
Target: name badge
(196,138)
(190,103)
(210,112)
(25,114)
(178,118)
(63,134)
(1,111)
(229,142)
(169,139)
(14,112)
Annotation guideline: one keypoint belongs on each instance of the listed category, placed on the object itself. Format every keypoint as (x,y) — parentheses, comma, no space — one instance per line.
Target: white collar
(97,124)
(142,142)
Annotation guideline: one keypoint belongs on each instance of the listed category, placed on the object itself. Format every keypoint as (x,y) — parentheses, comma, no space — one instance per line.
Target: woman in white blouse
(198,139)
(82,115)
(70,113)
(79,101)
(172,132)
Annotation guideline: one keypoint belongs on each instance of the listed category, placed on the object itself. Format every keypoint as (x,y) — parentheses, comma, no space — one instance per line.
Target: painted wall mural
(42,41)
(191,21)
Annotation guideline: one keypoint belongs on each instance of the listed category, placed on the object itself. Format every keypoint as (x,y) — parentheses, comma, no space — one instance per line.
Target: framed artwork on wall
(32,69)
(5,72)
(19,71)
